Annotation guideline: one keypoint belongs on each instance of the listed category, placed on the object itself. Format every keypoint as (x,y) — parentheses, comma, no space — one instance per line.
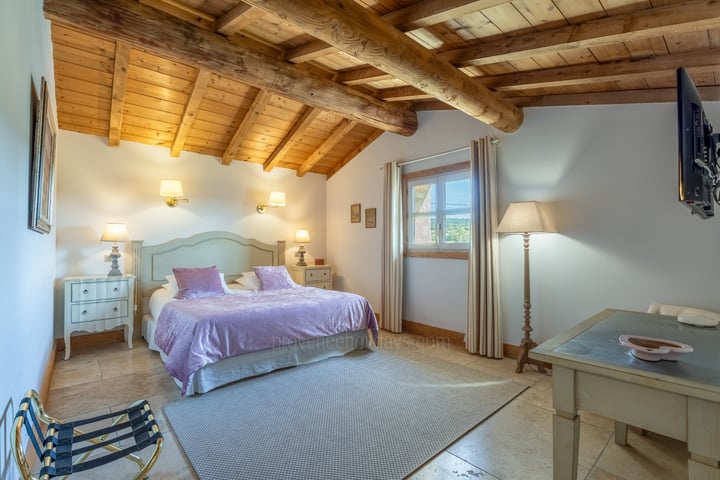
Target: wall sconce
(277,199)
(172,191)
(114,232)
(301,236)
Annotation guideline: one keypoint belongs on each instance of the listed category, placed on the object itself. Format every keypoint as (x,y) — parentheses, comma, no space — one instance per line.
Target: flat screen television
(697,160)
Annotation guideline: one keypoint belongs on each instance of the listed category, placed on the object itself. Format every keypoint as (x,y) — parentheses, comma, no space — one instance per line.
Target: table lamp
(114,232)
(301,236)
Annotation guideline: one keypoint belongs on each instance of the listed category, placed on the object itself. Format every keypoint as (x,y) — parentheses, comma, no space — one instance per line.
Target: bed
(337,331)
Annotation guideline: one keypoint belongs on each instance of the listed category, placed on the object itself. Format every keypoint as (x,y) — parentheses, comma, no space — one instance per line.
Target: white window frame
(438,177)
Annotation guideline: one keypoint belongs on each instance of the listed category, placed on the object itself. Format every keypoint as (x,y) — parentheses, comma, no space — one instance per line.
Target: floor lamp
(525,218)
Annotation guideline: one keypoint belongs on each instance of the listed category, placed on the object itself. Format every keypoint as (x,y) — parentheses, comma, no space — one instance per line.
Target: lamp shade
(302,236)
(171,188)
(277,199)
(524,217)
(114,232)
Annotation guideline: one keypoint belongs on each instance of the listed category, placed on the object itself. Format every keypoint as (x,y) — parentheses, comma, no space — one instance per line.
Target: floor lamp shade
(525,218)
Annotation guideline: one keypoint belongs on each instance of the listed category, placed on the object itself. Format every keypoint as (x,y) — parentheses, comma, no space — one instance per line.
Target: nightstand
(98,303)
(319,276)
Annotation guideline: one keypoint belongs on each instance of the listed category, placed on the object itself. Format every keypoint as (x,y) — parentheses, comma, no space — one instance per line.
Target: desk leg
(703,440)
(566,425)
(566,436)
(621,430)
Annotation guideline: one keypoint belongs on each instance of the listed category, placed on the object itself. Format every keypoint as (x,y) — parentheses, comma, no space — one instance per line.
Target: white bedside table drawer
(317,275)
(98,303)
(85,291)
(89,312)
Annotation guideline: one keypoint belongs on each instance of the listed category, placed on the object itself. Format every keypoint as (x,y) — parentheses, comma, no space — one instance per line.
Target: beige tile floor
(513,444)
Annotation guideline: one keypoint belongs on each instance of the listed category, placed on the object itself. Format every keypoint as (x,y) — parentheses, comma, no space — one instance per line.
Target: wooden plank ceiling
(308,84)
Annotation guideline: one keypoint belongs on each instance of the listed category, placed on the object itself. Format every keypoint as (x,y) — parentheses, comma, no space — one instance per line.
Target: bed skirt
(264,361)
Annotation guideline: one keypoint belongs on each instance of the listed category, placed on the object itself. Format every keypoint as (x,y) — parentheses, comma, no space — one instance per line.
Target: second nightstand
(319,276)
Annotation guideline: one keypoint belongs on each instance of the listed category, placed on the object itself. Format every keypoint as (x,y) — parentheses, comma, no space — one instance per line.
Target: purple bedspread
(199,331)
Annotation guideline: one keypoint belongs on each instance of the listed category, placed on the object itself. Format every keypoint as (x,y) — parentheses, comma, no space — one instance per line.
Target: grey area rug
(367,415)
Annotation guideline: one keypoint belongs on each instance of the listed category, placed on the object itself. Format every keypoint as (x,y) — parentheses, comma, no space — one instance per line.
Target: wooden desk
(593,372)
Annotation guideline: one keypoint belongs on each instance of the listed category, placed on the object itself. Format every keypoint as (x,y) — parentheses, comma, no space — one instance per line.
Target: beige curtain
(392,250)
(484,324)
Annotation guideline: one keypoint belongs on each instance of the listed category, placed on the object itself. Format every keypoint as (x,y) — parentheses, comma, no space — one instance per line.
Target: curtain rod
(400,164)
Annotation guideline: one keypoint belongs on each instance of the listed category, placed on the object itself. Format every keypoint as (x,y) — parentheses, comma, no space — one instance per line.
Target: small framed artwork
(42,168)
(370,218)
(355,213)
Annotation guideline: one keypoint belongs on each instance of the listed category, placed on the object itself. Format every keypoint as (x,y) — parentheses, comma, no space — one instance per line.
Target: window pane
(424,198)
(457,228)
(424,231)
(457,194)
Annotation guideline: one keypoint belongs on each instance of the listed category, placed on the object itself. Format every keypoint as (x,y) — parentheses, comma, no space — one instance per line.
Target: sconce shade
(171,188)
(524,217)
(277,199)
(172,191)
(302,236)
(114,232)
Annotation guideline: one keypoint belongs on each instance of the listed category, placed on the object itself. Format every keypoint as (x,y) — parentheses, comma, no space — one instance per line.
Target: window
(438,211)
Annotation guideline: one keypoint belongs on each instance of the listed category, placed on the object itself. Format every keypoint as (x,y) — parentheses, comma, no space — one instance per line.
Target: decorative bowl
(654,349)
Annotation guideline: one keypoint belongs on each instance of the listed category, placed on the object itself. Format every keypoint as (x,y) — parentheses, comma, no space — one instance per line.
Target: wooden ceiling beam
(398,94)
(166,36)
(119,86)
(418,15)
(361,76)
(183,11)
(362,34)
(191,108)
(301,124)
(240,16)
(700,61)
(343,128)
(355,152)
(648,23)
(248,121)
(654,95)
(432,12)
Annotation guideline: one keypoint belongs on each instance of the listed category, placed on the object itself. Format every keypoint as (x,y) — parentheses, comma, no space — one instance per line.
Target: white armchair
(692,315)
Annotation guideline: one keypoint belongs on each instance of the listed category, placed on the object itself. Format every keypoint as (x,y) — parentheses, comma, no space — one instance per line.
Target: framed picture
(42,167)
(355,213)
(370,218)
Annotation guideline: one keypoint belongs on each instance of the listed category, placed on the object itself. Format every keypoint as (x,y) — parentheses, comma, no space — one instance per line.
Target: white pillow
(249,280)
(238,289)
(172,285)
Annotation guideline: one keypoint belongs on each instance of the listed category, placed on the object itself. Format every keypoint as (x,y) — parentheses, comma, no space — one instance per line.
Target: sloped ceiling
(308,84)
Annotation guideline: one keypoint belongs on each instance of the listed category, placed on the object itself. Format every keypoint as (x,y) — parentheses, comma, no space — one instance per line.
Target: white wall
(609,177)
(27,258)
(99,184)
(436,290)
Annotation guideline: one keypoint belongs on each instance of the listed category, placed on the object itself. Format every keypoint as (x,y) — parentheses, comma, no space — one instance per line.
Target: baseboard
(47,375)
(511,351)
(456,338)
(92,339)
(423,330)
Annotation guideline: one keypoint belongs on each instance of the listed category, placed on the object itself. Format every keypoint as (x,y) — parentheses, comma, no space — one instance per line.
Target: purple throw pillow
(198,282)
(274,278)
